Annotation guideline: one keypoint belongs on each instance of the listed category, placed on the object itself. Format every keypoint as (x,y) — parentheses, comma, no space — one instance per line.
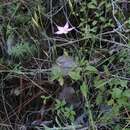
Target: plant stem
(90,114)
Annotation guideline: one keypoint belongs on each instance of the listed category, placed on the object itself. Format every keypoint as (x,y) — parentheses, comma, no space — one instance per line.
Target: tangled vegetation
(64,65)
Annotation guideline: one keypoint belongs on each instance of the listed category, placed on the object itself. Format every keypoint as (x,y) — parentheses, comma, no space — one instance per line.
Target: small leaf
(61,81)
(91,69)
(71,5)
(124,83)
(56,73)
(106,70)
(94,22)
(75,75)
(66,53)
(45,98)
(98,83)
(110,102)
(84,89)
(91,5)
(35,22)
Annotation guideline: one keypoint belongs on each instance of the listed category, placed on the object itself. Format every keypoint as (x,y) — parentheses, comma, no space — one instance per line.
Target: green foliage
(23,51)
(100,42)
(89,23)
(75,74)
(84,89)
(64,111)
(91,69)
(45,98)
(118,81)
(86,67)
(57,74)
(116,93)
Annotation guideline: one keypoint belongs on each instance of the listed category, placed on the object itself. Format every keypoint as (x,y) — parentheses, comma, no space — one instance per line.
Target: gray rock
(66,64)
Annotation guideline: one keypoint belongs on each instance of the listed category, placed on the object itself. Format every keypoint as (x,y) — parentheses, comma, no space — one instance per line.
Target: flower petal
(64,30)
(59,32)
(69,29)
(66,25)
(60,28)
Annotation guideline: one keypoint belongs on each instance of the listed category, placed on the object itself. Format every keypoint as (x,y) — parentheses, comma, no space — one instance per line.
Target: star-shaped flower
(64,30)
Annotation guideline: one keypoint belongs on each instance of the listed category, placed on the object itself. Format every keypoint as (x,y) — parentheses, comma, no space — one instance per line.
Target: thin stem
(90,114)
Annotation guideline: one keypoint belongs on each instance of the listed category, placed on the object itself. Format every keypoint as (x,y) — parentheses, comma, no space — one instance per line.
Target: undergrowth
(77,80)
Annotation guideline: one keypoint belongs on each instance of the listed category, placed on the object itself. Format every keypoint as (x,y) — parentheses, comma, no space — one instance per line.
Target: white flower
(64,30)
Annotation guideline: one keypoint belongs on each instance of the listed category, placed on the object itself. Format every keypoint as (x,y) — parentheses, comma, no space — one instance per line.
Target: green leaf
(126,93)
(70,5)
(92,69)
(94,2)
(100,83)
(116,93)
(84,89)
(22,50)
(115,109)
(122,101)
(110,102)
(56,73)
(122,83)
(99,99)
(91,5)
(75,75)
(59,104)
(45,98)
(61,81)
(94,22)
(106,70)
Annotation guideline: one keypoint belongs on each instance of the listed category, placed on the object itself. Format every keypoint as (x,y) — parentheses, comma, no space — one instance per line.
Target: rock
(70,97)
(82,120)
(66,64)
